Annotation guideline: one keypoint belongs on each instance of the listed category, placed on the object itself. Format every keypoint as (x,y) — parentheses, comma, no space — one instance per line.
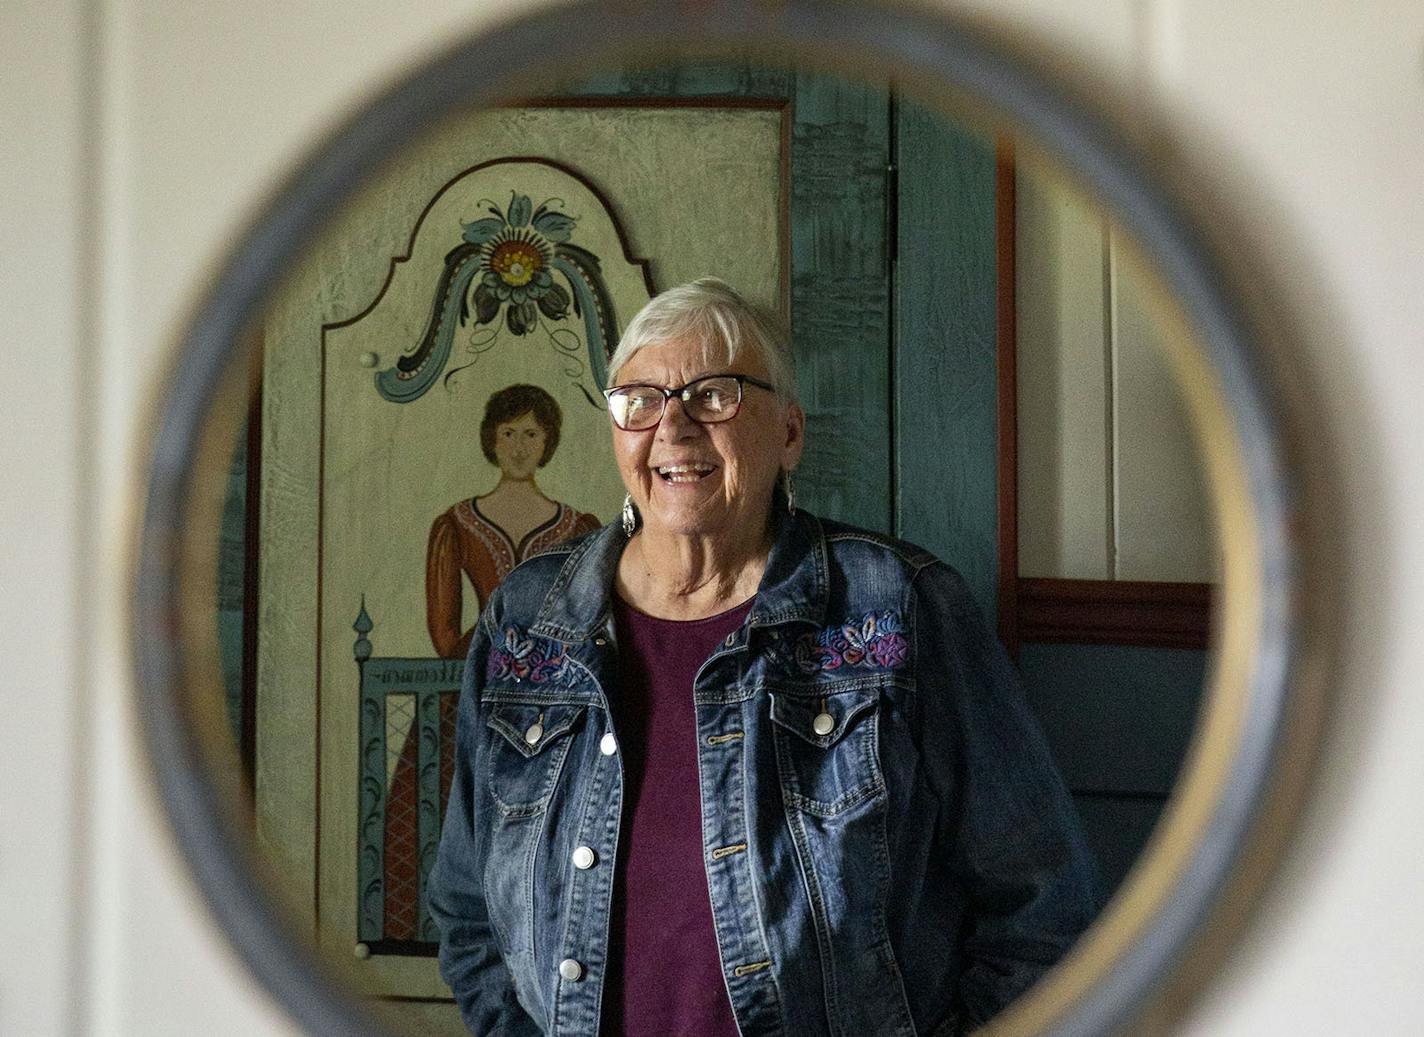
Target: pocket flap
(531,728)
(821,720)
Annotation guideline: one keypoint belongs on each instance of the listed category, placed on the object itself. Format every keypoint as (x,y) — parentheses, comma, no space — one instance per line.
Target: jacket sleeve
(470,961)
(1007,821)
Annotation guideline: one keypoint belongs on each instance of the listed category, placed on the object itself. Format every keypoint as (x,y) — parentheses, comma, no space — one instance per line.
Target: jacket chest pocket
(827,748)
(527,751)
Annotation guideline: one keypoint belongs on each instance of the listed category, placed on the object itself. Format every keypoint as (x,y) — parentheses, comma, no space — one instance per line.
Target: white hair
(709,314)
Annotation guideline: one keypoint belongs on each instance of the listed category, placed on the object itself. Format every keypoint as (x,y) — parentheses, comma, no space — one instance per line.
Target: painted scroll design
(501,279)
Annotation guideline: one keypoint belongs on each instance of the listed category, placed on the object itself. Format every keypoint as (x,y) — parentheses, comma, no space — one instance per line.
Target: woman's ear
(795,436)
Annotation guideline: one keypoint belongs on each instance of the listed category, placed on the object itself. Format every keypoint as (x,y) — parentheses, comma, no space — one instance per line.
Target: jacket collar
(794,586)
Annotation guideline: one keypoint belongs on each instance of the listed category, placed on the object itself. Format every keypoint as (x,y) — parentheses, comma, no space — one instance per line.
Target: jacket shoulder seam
(917,558)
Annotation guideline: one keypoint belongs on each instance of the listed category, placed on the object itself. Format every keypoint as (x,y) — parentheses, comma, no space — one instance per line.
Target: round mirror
(1012,350)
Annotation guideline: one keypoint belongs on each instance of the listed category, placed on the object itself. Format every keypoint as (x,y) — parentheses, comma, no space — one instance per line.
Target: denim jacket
(888,847)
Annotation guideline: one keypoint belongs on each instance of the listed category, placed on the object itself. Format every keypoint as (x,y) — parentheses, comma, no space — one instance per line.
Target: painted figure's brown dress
(462,540)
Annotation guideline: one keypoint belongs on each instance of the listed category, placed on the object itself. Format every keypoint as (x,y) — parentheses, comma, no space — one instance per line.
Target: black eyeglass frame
(682,394)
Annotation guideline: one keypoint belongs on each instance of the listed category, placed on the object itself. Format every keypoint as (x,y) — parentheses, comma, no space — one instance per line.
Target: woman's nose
(675,423)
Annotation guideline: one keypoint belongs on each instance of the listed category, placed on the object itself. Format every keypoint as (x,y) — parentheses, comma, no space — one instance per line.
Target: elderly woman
(724,768)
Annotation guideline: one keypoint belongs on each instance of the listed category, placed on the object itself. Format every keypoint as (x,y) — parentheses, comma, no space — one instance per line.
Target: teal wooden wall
(944,345)
(840,299)
(1118,719)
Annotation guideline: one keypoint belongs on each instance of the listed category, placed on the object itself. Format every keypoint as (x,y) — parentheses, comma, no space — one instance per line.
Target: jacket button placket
(746,960)
(583,952)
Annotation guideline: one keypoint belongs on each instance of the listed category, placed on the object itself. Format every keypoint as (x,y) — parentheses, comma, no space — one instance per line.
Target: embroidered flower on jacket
(535,659)
(875,642)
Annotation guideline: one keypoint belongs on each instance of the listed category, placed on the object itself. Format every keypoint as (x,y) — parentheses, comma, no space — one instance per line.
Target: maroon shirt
(664,975)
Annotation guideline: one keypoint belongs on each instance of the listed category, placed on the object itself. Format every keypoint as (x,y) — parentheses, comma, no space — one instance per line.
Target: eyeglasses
(717,397)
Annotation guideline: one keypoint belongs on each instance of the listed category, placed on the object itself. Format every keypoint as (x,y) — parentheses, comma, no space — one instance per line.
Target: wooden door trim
(1121,612)
(1116,612)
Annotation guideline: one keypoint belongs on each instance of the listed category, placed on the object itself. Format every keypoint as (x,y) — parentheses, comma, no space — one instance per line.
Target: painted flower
(515,261)
(516,245)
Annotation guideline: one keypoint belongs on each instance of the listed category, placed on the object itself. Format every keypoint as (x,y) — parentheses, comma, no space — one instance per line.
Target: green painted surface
(370,867)
(1118,717)
(840,293)
(689,81)
(1118,720)
(946,376)
(1117,828)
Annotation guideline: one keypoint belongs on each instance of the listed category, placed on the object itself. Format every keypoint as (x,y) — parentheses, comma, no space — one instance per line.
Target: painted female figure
(485,537)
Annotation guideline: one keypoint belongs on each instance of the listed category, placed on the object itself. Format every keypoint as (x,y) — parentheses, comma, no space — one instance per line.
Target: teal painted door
(944,346)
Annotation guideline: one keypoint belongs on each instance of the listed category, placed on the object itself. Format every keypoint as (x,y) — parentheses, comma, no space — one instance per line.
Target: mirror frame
(1221,835)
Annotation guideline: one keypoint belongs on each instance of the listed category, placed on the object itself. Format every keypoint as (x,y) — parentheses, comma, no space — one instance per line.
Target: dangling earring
(630,516)
(789,490)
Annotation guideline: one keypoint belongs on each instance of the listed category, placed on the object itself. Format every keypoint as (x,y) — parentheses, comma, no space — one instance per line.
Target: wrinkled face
(518,445)
(705,480)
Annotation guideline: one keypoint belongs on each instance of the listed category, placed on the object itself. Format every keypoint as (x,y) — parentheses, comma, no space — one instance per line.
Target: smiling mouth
(684,472)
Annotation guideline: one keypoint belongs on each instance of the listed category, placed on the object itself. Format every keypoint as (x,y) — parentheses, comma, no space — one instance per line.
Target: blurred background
(151,132)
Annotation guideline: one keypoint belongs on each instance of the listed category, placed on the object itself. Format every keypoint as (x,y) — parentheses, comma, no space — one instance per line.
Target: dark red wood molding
(1117,612)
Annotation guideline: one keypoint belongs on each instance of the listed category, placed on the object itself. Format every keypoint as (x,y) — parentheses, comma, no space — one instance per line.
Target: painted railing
(401,703)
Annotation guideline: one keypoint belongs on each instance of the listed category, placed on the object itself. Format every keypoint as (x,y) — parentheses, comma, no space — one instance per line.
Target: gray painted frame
(932,52)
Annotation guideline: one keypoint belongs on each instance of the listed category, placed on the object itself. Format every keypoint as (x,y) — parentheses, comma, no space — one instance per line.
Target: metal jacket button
(535,732)
(570,970)
(823,724)
(600,641)
(608,745)
(583,858)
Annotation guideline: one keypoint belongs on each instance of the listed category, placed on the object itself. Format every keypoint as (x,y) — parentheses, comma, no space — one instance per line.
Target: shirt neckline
(720,616)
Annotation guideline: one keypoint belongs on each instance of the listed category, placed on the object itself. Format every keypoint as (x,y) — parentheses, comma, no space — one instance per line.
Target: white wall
(1110,482)
(151,128)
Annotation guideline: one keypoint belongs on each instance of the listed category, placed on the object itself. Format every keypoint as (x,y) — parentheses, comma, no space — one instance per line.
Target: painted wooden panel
(232,568)
(690,81)
(698,189)
(1119,720)
(945,365)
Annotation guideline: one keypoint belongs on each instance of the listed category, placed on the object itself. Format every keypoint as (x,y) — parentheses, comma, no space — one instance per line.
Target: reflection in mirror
(981,358)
